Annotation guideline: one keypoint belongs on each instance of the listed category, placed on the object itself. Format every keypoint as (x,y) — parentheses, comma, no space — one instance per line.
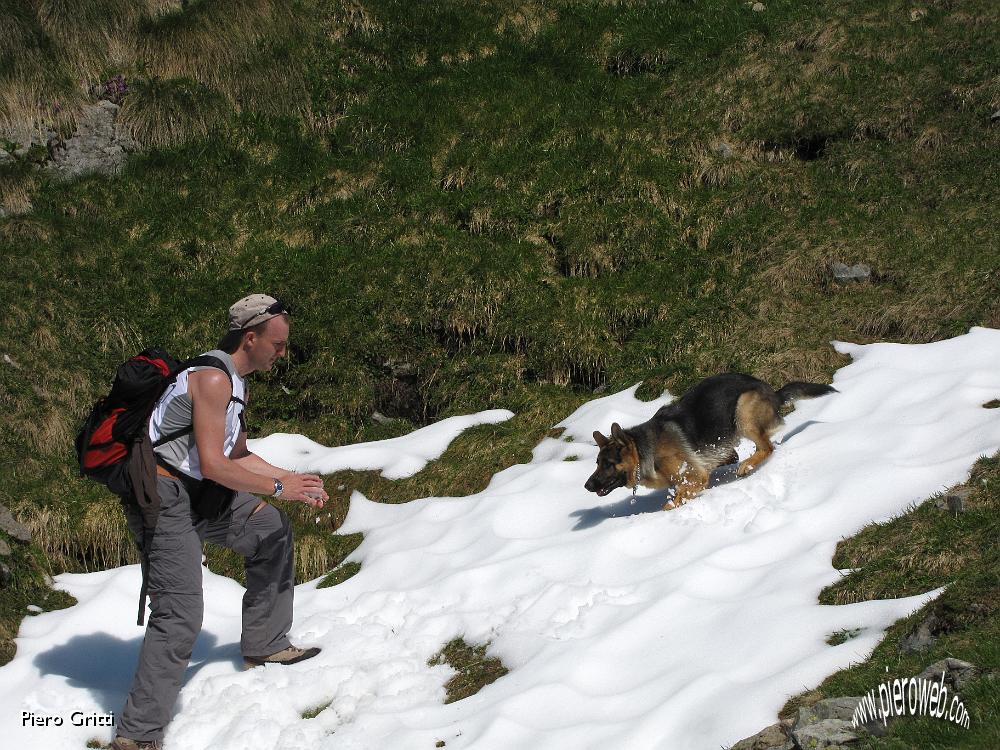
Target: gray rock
(827,733)
(723,150)
(5,157)
(954,501)
(4,548)
(957,673)
(12,526)
(995,117)
(5,575)
(828,723)
(382,418)
(844,273)
(830,708)
(98,145)
(772,738)
(924,636)
(10,361)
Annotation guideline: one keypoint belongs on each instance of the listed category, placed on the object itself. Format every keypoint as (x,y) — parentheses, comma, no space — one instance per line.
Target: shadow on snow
(104,665)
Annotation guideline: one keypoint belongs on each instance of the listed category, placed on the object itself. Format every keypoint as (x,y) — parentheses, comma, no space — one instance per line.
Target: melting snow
(622,626)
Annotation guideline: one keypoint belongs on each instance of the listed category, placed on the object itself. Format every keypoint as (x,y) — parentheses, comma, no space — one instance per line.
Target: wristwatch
(278,488)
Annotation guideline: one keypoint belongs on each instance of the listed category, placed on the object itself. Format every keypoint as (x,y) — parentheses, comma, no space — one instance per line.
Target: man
(198,432)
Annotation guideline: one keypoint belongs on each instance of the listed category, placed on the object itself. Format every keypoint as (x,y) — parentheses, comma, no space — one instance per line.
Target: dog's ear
(617,432)
(600,439)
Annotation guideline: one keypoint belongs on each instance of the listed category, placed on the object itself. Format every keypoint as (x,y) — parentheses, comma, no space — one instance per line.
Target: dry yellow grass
(102,537)
(51,530)
(15,195)
(227,48)
(312,558)
(527,20)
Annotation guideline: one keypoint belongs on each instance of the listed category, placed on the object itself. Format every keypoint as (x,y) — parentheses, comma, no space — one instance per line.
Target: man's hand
(306,488)
(241,470)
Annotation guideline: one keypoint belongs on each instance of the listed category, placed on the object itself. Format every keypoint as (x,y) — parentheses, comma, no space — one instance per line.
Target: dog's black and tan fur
(686,440)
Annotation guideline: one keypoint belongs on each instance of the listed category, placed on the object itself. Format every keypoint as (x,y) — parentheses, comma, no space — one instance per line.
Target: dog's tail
(796,390)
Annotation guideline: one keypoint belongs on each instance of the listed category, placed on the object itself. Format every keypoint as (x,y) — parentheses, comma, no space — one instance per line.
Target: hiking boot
(124,743)
(290,655)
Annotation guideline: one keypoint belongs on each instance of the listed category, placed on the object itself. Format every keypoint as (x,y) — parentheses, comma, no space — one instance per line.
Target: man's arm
(210,391)
(242,455)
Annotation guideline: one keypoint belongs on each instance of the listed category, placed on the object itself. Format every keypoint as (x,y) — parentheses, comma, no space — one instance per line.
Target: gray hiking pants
(264,539)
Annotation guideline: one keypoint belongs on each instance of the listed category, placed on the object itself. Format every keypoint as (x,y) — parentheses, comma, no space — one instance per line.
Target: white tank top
(173,412)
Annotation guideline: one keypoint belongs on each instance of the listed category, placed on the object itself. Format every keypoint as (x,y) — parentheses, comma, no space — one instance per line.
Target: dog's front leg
(689,484)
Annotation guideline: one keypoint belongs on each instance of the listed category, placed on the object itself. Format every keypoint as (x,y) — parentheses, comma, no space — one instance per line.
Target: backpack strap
(203,360)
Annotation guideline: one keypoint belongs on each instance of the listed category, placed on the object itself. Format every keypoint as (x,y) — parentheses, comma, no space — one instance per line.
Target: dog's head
(616,462)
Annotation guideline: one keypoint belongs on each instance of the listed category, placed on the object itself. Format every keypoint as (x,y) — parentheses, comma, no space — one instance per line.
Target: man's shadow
(104,665)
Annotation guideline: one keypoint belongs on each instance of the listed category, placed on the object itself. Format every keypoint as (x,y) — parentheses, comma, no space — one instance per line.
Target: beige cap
(254,309)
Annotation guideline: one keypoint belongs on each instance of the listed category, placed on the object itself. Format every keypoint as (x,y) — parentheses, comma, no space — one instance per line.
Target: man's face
(264,348)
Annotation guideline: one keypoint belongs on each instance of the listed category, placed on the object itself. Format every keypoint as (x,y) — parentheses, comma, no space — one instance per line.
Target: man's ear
(600,439)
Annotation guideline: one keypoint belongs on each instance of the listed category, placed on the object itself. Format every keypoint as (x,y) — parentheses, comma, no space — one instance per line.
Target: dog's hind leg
(757,418)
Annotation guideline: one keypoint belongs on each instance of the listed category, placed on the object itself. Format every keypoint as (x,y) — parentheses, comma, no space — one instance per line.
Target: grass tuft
(312,713)
(163,112)
(474,669)
(340,574)
(843,636)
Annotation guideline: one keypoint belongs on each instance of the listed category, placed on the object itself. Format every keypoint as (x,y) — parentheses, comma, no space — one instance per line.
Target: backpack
(113,445)
(118,422)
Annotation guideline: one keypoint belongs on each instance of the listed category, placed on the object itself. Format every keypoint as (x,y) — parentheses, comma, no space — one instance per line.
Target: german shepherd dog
(685,440)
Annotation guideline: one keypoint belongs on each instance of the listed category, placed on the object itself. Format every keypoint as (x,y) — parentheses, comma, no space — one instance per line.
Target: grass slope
(474,205)
(913,553)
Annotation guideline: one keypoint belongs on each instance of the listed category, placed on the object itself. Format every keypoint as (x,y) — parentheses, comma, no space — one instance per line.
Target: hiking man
(203,407)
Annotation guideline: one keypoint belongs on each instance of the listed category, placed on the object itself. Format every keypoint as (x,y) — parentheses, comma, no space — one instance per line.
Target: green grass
(315,711)
(28,585)
(339,574)
(915,552)
(473,669)
(481,205)
(843,636)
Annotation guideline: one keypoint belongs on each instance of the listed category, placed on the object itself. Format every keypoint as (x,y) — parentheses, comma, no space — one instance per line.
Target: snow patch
(623,626)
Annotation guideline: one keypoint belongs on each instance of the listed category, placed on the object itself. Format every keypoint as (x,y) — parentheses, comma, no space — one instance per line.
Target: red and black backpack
(113,446)
(118,421)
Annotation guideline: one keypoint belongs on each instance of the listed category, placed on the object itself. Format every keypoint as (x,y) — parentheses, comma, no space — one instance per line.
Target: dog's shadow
(801,428)
(650,502)
(104,665)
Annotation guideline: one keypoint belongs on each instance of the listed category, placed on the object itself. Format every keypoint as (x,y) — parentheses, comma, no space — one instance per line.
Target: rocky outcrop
(957,673)
(97,145)
(829,724)
(826,724)
(17,531)
(772,738)
(11,526)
